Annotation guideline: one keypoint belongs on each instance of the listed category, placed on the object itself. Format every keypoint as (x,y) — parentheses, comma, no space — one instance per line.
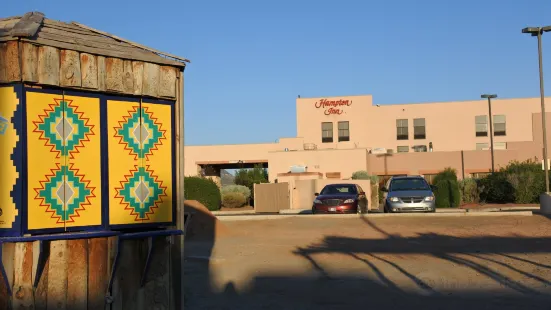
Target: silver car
(409,194)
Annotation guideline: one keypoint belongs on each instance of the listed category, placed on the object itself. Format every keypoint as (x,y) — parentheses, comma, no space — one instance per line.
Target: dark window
(402,149)
(338,189)
(419,148)
(409,184)
(419,128)
(344,131)
(326,132)
(402,129)
(481,123)
(499,125)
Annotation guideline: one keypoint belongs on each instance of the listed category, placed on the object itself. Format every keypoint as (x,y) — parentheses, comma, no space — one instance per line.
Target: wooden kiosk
(91,142)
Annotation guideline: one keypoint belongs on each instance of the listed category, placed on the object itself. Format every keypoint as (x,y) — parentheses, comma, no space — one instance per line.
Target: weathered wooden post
(91,166)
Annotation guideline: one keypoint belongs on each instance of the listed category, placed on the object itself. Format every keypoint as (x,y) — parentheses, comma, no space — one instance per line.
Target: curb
(374,215)
(248,212)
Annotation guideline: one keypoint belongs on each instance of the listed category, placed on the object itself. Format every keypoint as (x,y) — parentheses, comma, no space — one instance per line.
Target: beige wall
(450,126)
(324,161)
(224,153)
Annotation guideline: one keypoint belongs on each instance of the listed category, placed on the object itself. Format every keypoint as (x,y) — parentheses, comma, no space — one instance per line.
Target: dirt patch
(380,263)
(203,225)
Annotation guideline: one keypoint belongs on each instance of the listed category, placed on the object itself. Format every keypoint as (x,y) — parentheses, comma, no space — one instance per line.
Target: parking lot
(312,262)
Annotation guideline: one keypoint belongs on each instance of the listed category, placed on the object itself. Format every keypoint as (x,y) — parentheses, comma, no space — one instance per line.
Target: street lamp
(537,32)
(490,97)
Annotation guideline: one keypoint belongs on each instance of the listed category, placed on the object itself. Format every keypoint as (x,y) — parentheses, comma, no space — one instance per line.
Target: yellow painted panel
(123,120)
(45,161)
(84,163)
(157,149)
(8,139)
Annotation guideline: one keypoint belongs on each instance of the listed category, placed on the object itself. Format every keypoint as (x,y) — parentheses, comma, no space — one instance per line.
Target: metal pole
(544,127)
(491,132)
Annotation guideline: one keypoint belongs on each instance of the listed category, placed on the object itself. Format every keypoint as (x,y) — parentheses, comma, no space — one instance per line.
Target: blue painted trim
(62,236)
(135,226)
(174,167)
(104,146)
(25,189)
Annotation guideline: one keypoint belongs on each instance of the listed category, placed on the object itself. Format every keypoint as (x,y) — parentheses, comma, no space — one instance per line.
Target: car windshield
(338,189)
(410,184)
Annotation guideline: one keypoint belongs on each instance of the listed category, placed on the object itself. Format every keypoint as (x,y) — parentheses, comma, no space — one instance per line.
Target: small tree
(249,177)
(447,174)
(364,175)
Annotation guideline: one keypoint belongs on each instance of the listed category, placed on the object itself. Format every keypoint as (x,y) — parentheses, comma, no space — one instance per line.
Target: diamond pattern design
(64,193)
(141,192)
(140,133)
(63,128)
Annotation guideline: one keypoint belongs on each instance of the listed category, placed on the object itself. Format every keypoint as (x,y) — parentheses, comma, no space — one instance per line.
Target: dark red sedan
(340,198)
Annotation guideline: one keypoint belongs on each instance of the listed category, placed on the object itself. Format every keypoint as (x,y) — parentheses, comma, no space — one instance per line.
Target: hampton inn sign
(333,106)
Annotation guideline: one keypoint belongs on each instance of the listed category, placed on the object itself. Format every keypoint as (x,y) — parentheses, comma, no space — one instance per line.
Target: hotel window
(344,131)
(482,146)
(499,125)
(500,145)
(326,132)
(419,148)
(403,149)
(402,129)
(419,128)
(481,125)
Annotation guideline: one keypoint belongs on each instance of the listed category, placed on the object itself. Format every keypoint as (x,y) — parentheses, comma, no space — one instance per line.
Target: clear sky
(251,58)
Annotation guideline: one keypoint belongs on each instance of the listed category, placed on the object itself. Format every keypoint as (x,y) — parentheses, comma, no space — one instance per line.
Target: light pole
(490,97)
(537,32)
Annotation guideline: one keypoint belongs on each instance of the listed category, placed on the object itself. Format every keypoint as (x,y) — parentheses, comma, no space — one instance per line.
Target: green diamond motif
(64,193)
(141,192)
(141,137)
(63,128)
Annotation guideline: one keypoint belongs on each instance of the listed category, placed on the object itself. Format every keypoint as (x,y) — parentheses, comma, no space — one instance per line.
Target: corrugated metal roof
(35,28)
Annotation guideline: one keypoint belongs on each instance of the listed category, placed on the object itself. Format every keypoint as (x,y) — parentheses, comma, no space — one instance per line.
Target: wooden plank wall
(76,275)
(46,65)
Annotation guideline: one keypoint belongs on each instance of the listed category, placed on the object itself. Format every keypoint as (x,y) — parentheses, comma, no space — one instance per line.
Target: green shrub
(446,174)
(245,191)
(496,188)
(469,191)
(442,194)
(447,194)
(527,179)
(203,190)
(518,182)
(233,200)
(364,175)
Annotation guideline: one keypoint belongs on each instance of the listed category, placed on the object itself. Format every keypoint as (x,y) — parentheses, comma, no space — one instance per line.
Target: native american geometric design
(141,192)
(63,128)
(3,125)
(140,133)
(64,193)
